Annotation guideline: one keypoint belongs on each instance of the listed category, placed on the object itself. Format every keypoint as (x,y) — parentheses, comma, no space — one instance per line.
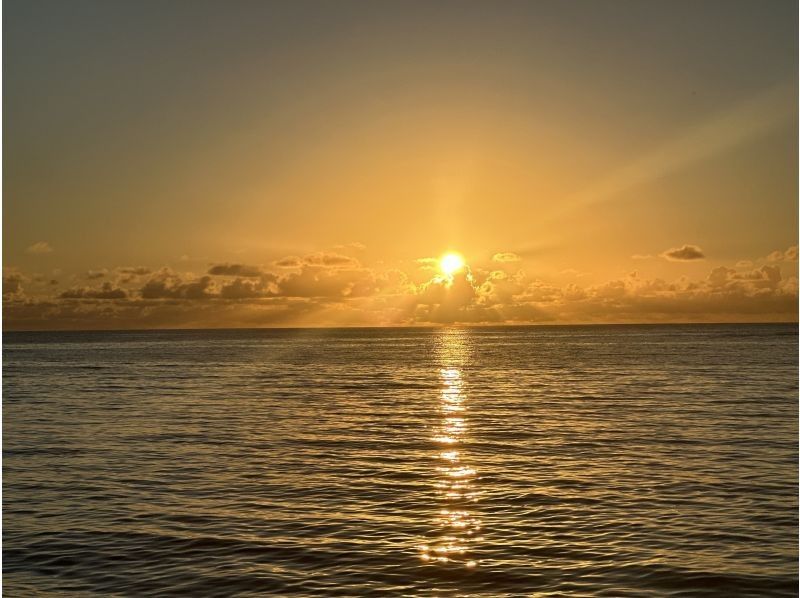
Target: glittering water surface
(574,461)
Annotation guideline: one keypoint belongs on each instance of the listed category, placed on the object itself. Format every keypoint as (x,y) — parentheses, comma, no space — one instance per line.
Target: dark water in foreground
(574,461)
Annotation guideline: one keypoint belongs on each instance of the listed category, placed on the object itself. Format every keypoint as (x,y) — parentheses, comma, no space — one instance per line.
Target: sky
(193,164)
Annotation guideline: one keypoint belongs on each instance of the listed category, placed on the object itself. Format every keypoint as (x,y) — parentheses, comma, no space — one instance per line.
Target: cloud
(685,253)
(129,274)
(168,285)
(428,263)
(39,248)
(334,260)
(242,288)
(335,295)
(506,257)
(314,281)
(148,314)
(501,288)
(235,270)
(790,255)
(321,258)
(12,284)
(289,262)
(134,270)
(355,245)
(95,274)
(447,300)
(764,277)
(107,291)
(639,256)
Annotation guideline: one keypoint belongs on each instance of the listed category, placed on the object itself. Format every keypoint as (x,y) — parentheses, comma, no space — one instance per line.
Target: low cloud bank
(325,289)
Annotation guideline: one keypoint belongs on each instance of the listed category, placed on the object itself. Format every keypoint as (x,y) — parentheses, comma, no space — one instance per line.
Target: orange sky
(275,164)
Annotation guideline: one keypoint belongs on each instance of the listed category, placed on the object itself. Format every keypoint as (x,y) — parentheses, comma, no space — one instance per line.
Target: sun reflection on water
(456,526)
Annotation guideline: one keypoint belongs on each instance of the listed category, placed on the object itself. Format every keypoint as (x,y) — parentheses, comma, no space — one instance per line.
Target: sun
(450,263)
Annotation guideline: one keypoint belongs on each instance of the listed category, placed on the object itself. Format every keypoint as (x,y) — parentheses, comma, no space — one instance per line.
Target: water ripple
(569,461)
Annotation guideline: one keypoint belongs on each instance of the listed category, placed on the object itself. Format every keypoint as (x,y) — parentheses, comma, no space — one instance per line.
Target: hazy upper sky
(192,163)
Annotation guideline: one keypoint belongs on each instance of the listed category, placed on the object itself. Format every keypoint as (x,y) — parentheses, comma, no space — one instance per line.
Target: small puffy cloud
(107,291)
(235,270)
(744,264)
(95,274)
(39,248)
(775,256)
(331,260)
(428,263)
(790,255)
(506,257)
(685,253)
(641,256)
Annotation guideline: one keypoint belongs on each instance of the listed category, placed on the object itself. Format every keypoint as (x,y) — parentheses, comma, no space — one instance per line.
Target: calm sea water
(570,461)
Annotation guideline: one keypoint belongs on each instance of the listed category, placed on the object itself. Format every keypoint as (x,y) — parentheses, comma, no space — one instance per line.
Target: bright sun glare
(451,263)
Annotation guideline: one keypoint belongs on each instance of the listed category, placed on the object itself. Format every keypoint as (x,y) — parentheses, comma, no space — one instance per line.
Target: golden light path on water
(456,527)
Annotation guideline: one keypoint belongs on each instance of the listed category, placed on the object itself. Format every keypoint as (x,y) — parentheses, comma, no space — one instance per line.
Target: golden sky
(193,164)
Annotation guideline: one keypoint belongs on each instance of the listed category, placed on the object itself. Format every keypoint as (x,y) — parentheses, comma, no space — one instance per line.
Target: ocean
(519,461)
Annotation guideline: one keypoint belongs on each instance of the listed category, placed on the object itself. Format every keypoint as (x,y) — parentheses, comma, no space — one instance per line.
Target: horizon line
(407,327)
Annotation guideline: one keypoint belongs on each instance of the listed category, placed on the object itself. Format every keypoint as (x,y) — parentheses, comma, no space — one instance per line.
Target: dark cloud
(333,260)
(107,291)
(12,284)
(235,270)
(134,270)
(684,253)
(144,314)
(321,259)
(289,262)
(128,274)
(243,288)
(170,286)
